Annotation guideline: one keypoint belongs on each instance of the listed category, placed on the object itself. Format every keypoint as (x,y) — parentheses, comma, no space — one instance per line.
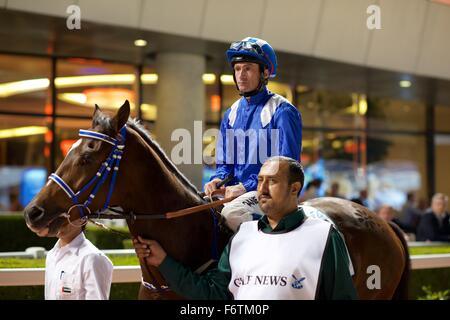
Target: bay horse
(148,182)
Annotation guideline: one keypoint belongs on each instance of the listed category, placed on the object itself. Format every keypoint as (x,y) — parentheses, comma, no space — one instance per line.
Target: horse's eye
(85,159)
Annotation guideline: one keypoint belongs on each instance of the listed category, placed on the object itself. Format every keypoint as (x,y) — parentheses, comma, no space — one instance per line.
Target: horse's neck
(154,189)
(157,189)
(160,189)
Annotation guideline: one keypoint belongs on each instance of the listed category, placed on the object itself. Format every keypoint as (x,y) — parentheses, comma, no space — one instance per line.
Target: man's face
(363,194)
(247,76)
(438,205)
(69,230)
(386,213)
(273,187)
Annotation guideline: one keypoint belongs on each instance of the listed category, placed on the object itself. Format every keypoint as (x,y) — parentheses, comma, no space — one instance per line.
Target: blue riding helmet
(253,50)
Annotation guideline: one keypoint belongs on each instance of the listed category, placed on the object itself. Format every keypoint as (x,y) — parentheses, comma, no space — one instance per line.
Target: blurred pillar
(180,98)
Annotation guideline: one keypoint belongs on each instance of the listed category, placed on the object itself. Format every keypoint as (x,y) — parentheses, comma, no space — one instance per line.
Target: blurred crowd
(420,220)
(9,200)
(419,223)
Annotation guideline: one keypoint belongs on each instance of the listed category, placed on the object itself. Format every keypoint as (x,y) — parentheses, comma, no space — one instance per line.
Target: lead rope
(103,226)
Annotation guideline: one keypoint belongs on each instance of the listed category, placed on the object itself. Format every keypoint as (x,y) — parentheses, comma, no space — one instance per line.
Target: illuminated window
(24,84)
(82,83)
(24,147)
(322,108)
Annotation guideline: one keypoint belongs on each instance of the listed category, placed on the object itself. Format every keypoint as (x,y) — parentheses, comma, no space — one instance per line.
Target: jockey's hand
(235,191)
(149,250)
(211,186)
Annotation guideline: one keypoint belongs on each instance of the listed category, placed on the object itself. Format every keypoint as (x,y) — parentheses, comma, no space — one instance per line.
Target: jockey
(259,125)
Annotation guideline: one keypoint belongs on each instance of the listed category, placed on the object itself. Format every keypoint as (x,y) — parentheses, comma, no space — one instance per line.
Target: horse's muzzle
(34,216)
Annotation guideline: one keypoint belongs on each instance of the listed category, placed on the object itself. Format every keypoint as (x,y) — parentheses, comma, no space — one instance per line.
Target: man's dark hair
(410,196)
(295,172)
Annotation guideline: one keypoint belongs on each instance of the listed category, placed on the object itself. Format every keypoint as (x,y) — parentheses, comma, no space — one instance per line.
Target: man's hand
(212,186)
(149,250)
(235,191)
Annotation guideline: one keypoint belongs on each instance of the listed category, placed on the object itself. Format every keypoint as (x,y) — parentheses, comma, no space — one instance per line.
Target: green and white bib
(279,266)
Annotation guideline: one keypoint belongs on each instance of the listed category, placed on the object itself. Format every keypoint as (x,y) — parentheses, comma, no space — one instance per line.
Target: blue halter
(112,162)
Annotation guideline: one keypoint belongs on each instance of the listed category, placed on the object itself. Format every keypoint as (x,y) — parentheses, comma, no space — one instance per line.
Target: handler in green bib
(284,255)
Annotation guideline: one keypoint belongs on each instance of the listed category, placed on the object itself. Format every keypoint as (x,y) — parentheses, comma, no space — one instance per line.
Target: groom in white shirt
(75,269)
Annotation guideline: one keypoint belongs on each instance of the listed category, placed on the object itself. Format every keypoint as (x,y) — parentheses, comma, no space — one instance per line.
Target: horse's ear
(122,115)
(96,110)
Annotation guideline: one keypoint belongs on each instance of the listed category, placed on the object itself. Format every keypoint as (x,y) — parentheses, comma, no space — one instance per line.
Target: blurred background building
(375,103)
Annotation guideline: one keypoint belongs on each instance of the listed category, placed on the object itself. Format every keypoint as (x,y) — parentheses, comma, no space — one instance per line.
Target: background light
(227,79)
(140,43)
(22,132)
(209,78)
(405,83)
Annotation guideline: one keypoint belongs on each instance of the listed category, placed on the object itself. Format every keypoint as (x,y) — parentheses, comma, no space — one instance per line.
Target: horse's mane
(135,125)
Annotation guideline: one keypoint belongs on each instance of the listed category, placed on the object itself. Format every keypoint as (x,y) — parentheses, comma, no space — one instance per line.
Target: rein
(120,214)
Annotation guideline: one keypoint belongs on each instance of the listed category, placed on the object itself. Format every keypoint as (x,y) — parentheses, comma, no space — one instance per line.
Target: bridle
(111,163)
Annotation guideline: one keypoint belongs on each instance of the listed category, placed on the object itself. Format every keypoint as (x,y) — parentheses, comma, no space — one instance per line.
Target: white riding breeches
(243,208)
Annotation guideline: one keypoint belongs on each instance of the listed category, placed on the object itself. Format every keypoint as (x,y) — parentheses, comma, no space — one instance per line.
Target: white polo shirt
(77,271)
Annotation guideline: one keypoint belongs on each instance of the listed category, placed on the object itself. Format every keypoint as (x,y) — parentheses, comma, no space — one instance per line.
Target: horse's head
(44,215)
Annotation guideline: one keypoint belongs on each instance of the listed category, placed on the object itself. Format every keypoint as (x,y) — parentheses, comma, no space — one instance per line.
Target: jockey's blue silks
(260,116)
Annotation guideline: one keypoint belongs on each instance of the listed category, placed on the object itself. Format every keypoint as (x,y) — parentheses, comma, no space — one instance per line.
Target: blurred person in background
(312,190)
(362,199)
(410,213)
(434,224)
(334,190)
(387,213)
(14,202)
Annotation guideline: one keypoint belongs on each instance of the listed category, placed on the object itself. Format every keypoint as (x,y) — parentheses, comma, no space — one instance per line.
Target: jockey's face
(275,194)
(247,76)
